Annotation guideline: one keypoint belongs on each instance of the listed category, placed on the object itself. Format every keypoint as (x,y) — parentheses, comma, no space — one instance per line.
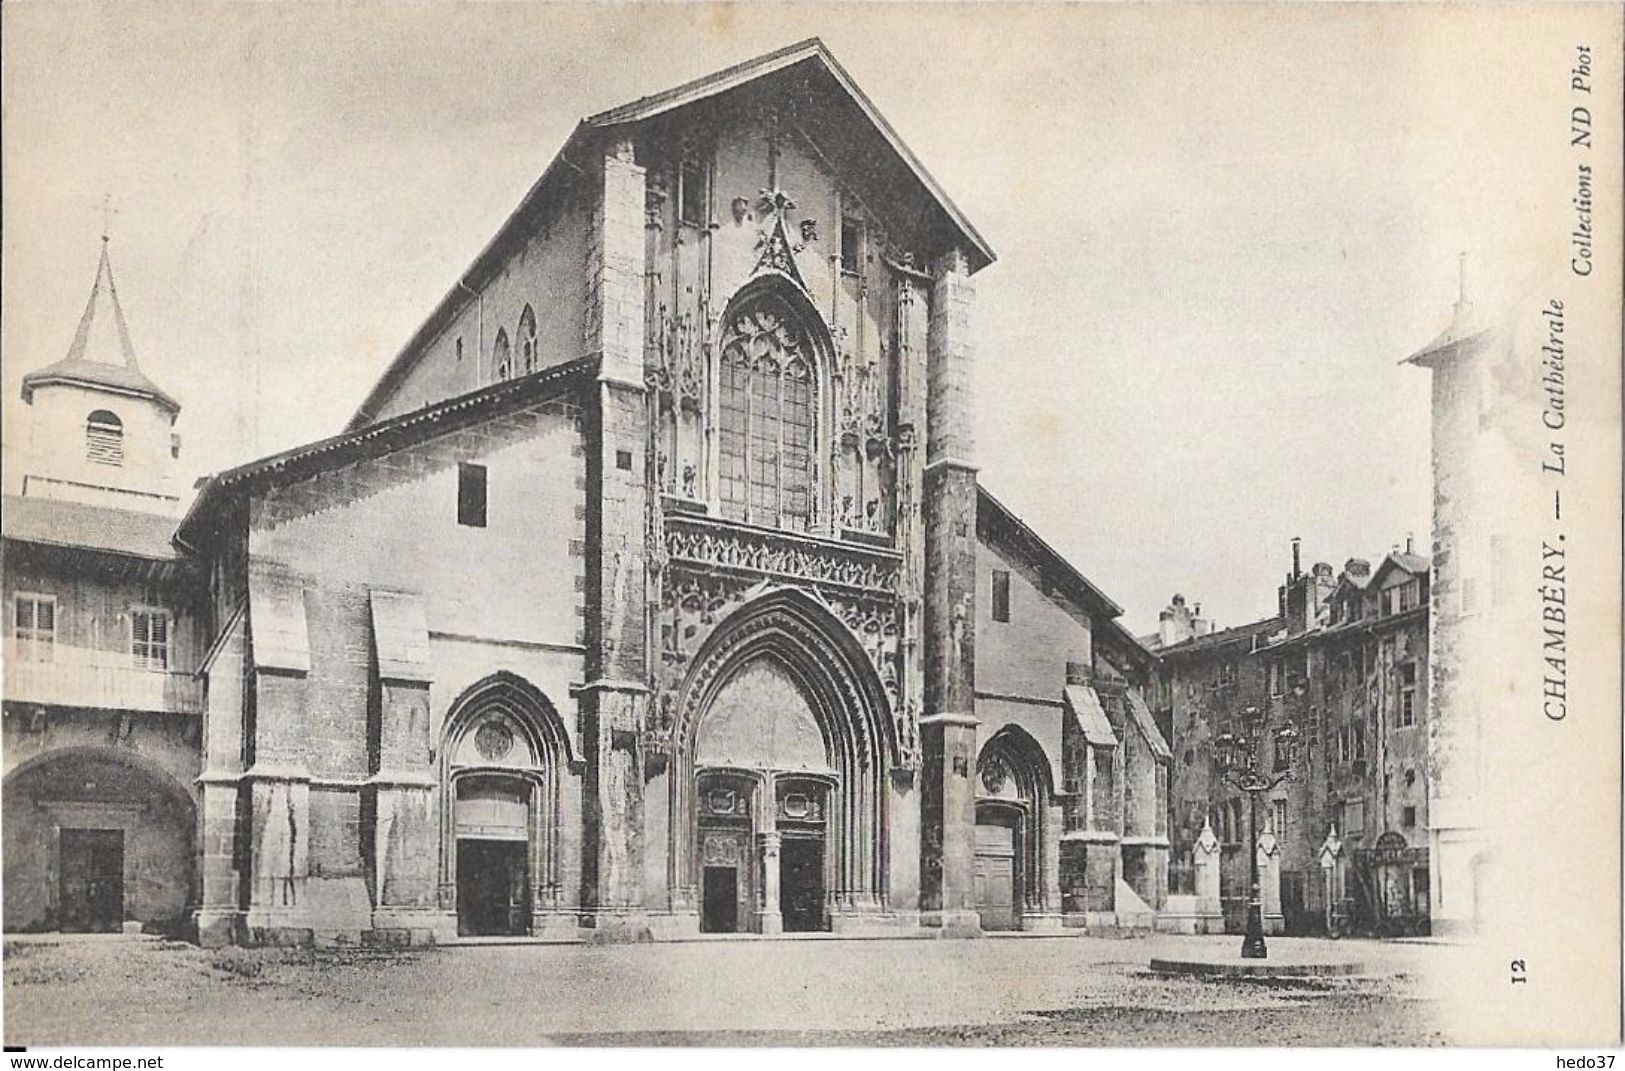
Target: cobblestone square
(1091,991)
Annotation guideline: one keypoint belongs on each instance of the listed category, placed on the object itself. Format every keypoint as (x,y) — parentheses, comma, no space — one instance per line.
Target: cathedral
(651,591)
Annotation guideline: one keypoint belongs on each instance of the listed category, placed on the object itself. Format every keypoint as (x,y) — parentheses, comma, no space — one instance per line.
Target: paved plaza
(1014,990)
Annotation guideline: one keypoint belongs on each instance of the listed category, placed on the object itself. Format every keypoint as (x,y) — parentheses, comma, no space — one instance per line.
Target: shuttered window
(149,634)
(34,627)
(104,438)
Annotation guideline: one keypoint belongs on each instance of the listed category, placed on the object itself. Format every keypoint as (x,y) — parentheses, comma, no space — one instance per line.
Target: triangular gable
(1416,566)
(811,51)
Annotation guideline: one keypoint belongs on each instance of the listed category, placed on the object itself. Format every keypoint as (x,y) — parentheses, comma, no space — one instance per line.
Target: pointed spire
(101,354)
(80,349)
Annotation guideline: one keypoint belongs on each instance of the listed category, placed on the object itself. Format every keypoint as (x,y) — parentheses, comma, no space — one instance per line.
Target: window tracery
(529,349)
(768,404)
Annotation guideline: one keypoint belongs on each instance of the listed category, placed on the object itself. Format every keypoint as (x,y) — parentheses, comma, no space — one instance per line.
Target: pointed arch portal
(1014,790)
(778,798)
(502,751)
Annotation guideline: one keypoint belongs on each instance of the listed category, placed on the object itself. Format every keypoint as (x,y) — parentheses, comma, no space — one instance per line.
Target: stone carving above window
(701,542)
(493,741)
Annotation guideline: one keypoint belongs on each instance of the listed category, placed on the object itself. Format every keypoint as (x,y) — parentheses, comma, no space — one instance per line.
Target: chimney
(1174,623)
(1297,549)
(1410,538)
(1357,567)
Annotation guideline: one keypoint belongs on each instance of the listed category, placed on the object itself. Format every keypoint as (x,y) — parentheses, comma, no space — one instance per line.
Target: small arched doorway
(95,839)
(1012,809)
(501,759)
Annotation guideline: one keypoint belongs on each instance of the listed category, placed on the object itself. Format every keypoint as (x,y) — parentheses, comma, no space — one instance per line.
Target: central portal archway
(780,747)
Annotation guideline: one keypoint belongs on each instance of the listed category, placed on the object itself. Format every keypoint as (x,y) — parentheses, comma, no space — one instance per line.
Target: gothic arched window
(104,438)
(529,355)
(502,355)
(768,400)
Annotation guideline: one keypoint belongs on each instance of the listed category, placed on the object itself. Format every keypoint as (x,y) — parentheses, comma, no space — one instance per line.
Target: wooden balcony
(105,680)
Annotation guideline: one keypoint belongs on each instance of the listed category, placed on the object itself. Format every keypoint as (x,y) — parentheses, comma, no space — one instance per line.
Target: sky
(1219,228)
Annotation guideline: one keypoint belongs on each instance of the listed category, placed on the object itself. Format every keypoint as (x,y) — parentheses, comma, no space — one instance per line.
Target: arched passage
(503,751)
(1014,791)
(778,800)
(95,838)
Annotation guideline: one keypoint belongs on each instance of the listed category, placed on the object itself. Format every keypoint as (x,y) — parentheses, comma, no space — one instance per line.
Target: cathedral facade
(652,590)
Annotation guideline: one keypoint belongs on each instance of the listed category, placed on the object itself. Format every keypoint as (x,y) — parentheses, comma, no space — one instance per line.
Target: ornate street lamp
(1237,757)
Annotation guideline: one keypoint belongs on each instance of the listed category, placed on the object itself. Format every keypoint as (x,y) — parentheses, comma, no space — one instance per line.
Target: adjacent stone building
(1344,663)
(105,622)
(652,590)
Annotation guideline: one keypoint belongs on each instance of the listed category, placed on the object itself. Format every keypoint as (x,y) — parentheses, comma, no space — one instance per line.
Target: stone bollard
(1269,882)
(1209,907)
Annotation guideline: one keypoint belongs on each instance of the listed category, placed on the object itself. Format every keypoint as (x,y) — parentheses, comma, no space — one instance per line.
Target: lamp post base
(1252,945)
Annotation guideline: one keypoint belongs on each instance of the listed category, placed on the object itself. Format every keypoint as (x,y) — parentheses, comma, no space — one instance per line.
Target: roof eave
(457,296)
(549,382)
(45,378)
(1101,601)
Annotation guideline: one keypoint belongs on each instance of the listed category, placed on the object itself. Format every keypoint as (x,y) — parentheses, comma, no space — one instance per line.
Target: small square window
(1408,817)
(623,460)
(1001,595)
(471,495)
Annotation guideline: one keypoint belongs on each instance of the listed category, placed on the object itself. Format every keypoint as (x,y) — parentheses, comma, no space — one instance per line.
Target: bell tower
(101,432)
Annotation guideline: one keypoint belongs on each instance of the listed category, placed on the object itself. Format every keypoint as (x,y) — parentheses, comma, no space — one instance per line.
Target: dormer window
(104,438)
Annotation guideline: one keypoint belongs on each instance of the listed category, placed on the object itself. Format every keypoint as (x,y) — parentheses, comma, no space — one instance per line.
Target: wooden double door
(91,880)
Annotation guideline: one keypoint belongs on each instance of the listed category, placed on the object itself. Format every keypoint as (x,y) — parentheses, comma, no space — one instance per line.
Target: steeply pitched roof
(812,52)
(55,523)
(1063,572)
(1414,564)
(1466,325)
(810,55)
(101,354)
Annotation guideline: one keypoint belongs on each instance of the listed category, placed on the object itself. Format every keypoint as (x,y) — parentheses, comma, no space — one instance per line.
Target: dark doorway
(801,884)
(721,914)
(91,873)
(492,887)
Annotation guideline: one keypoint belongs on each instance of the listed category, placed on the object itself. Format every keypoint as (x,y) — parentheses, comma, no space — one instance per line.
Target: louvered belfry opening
(104,438)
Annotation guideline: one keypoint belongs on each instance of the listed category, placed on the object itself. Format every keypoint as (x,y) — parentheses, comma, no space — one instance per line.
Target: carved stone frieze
(713,570)
(706,543)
